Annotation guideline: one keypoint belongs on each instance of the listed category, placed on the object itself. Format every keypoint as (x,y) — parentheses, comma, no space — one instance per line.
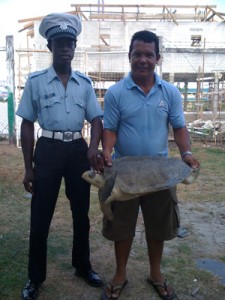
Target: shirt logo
(162,104)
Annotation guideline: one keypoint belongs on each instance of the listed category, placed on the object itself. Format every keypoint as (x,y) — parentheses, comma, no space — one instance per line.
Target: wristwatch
(186,153)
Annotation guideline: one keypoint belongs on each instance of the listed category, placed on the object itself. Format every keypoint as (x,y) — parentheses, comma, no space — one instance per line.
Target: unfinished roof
(139,12)
(171,13)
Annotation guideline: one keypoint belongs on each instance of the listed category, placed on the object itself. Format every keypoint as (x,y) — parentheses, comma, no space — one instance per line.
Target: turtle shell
(145,174)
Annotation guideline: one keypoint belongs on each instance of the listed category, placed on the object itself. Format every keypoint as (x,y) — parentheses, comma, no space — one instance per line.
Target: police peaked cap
(60,25)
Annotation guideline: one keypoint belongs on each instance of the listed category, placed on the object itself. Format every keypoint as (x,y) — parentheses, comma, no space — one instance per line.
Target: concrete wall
(175,38)
(178,36)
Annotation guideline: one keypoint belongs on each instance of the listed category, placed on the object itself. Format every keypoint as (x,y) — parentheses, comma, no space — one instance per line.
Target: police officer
(60,99)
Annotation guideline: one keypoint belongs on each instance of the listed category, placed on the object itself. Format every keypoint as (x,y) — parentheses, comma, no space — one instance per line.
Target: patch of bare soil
(205,223)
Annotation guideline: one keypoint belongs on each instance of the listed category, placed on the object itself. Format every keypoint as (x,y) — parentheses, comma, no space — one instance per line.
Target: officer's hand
(28,181)
(96,160)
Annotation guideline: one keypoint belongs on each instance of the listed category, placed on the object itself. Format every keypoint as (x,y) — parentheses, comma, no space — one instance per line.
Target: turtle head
(192,177)
(94,178)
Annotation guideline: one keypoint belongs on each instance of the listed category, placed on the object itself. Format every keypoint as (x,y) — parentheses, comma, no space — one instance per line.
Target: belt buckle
(67,136)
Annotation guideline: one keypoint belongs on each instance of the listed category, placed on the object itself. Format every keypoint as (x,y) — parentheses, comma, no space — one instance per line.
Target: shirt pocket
(79,108)
(51,110)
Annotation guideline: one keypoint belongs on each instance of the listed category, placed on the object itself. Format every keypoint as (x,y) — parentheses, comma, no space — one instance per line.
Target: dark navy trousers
(54,160)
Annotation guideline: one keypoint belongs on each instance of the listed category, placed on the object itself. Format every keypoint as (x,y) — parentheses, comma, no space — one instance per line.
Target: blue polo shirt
(58,109)
(141,121)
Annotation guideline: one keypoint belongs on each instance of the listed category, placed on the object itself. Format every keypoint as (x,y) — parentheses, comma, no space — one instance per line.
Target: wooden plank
(214,13)
(105,36)
(41,17)
(31,50)
(115,16)
(142,5)
(172,16)
(104,41)
(178,16)
(145,16)
(29,25)
(30,33)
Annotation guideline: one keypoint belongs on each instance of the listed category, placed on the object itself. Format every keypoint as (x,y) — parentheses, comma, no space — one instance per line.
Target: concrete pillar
(185,94)
(171,77)
(217,76)
(10,81)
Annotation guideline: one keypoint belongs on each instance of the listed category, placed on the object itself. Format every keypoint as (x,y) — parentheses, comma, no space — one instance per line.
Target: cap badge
(63,26)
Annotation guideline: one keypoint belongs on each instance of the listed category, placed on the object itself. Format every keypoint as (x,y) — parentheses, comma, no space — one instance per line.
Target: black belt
(65,136)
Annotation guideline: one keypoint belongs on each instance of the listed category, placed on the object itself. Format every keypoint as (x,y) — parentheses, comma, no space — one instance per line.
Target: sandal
(162,285)
(113,289)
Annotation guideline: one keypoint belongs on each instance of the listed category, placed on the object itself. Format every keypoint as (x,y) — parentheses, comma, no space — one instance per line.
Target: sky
(14,10)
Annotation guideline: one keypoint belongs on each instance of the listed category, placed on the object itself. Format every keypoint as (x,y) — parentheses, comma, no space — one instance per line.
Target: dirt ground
(202,211)
(205,224)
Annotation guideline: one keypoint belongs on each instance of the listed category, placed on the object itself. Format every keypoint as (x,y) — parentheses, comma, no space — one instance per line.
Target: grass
(178,261)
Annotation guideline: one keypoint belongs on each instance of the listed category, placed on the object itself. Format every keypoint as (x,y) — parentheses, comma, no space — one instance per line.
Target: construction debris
(210,130)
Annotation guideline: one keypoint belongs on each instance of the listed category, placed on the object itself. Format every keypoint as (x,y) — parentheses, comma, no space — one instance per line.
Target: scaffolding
(99,61)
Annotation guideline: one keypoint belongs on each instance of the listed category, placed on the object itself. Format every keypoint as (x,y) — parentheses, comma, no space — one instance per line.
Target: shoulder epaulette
(34,74)
(83,76)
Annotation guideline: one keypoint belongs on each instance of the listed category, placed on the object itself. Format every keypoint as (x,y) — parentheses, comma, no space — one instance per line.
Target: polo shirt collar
(130,83)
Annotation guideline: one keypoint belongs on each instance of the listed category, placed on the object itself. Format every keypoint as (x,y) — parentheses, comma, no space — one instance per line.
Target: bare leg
(122,251)
(155,251)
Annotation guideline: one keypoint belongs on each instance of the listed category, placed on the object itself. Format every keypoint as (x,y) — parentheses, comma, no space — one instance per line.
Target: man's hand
(107,158)
(191,161)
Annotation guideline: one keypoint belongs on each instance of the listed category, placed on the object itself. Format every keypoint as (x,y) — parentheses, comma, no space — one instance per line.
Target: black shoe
(91,277)
(30,291)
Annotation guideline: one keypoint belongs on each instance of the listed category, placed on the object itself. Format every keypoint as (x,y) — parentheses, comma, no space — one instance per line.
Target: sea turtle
(133,176)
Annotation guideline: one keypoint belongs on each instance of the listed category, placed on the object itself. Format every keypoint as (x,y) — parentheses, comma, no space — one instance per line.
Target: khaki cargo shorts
(160,214)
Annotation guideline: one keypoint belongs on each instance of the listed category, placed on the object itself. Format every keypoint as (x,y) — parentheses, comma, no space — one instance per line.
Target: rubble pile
(210,130)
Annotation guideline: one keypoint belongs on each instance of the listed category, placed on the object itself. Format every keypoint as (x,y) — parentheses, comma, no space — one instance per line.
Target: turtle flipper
(106,207)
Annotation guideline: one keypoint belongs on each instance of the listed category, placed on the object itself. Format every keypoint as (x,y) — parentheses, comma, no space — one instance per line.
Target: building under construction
(192,46)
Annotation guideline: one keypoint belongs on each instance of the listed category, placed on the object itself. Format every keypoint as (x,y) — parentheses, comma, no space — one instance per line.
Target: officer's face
(63,50)
(143,59)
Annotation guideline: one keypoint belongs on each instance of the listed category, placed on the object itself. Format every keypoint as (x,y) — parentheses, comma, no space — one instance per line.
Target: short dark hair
(147,37)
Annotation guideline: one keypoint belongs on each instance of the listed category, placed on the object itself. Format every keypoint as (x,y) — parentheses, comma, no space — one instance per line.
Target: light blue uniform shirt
(141,121)
(58,109)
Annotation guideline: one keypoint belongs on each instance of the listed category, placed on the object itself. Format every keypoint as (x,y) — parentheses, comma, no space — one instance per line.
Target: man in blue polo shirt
(60,99)
(137,114)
